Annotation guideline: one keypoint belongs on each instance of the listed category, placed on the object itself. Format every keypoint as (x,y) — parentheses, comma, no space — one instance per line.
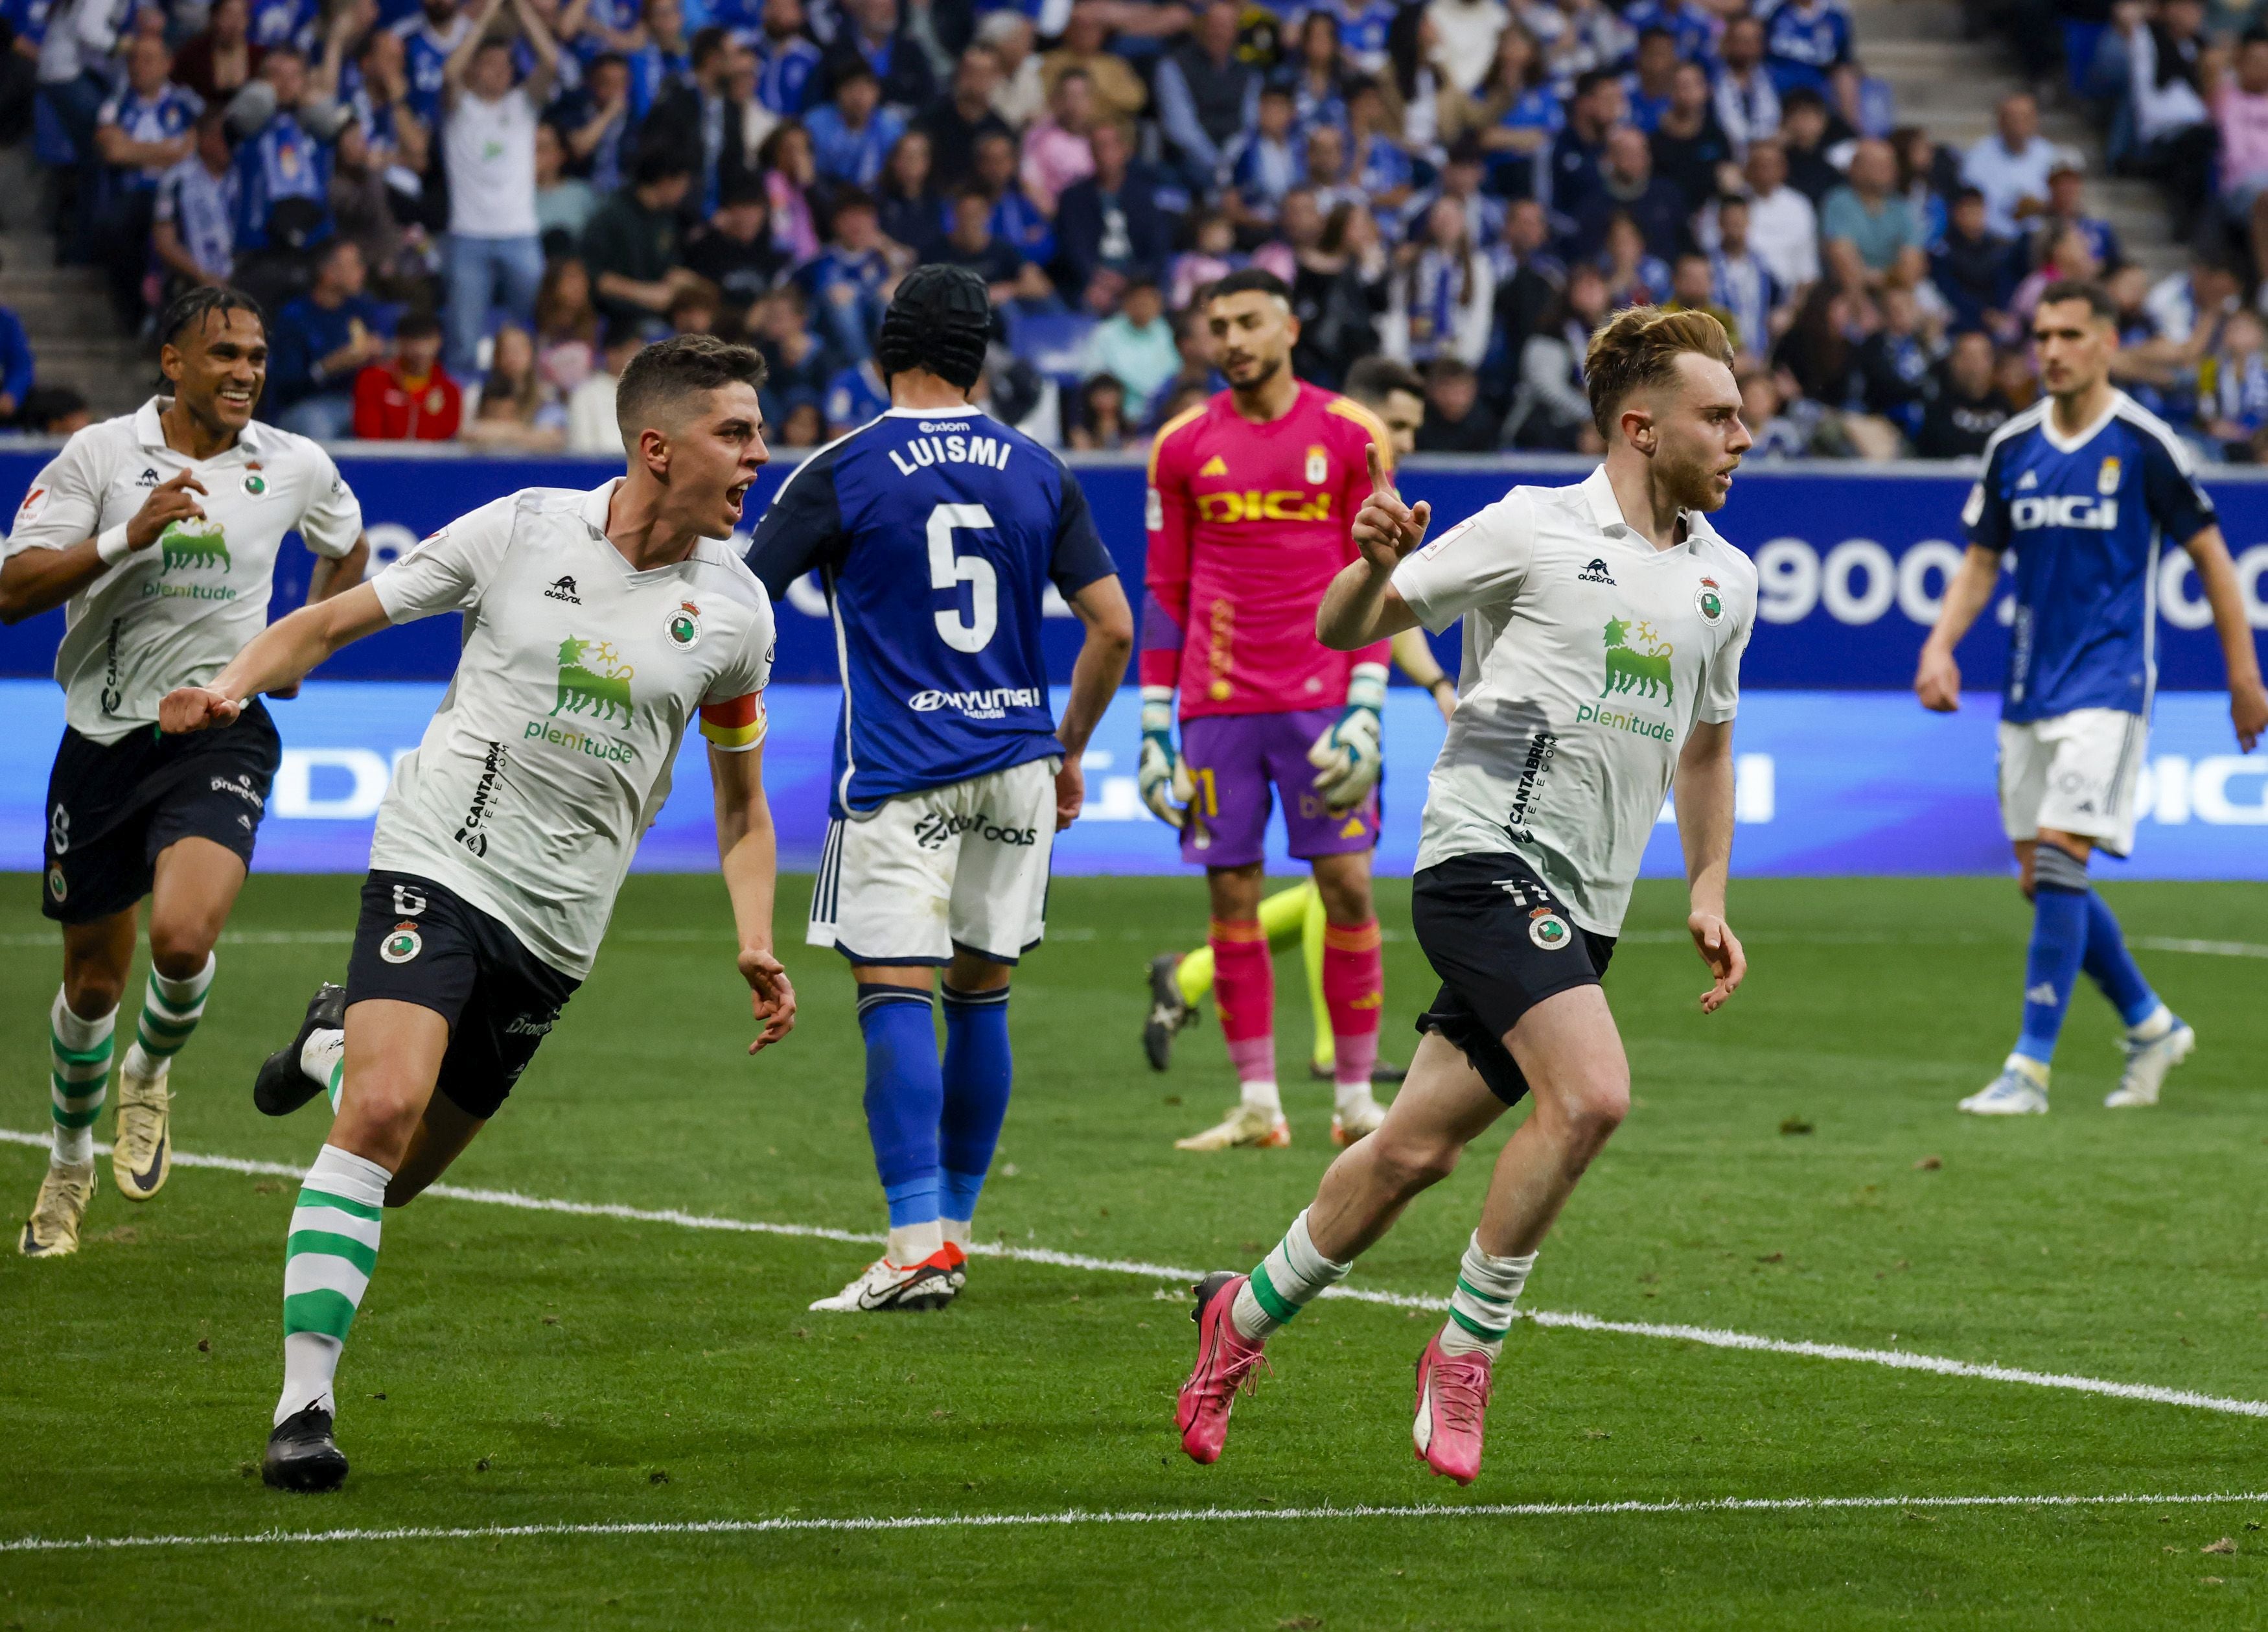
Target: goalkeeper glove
(1164,781)
(1346,756)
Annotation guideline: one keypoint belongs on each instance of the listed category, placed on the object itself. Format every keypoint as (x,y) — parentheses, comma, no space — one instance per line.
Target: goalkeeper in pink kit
(1251,500)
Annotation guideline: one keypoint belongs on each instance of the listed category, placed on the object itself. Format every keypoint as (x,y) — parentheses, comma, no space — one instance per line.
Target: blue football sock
(2058,943)
(904,1095)
(978,1071)
(2111,966)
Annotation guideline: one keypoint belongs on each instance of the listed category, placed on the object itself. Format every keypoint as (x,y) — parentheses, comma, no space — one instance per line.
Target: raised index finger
(1378,479)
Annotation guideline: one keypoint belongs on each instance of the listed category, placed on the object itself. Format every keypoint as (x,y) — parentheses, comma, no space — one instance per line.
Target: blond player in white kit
(158,531)
(598,625)
(1605,624)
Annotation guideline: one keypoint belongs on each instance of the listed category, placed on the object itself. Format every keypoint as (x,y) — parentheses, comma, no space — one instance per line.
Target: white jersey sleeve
(1720,685)
(332,520)
(64,502)
(450,570)
(1483,559)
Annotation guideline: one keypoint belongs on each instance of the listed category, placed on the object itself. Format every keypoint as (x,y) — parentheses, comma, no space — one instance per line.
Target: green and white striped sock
(170,1011)
(324,1059)
(1284,1283)
(78,1062)
(327,1260)
(1480,1309)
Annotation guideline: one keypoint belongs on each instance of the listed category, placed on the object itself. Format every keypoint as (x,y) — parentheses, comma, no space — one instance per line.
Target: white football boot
(2147,1065)
(2020,1090)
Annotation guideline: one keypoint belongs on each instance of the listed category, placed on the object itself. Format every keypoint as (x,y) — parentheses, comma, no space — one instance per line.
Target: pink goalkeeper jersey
(1248,524)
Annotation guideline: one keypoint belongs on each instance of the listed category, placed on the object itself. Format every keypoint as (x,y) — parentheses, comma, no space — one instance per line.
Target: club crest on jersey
(254,483)
(402,942)
(1548,929)
(2106,477)
(1708,601)
(1319,465)
(683,626)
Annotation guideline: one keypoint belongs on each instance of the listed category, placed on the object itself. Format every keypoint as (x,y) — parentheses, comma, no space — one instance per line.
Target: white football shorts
(2075,773)
(962,866)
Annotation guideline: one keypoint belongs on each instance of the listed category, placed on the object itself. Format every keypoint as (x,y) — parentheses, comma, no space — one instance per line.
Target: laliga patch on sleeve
(1973,511)
(1434,548)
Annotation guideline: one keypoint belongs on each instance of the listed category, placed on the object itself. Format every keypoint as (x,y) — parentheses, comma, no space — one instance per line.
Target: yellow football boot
(52,1230)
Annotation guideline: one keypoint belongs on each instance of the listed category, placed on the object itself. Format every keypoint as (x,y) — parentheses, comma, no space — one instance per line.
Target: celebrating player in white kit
(1603,628)
(2081,491)
(599,624)
(159,531)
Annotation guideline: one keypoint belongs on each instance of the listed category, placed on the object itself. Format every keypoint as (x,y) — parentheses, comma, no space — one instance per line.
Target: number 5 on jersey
(949,571)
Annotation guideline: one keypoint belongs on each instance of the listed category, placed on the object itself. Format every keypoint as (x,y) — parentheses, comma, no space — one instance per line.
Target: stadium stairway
(1950,85)
(76,338)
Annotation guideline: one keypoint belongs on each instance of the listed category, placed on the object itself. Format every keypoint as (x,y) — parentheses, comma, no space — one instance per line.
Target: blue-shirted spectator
(1206,95)
(1803,39)
(495,250)
(15,363)
(320,342)
(282,159)
(193,218)
(1015,218)
(870,34)
(1646,88)
(662,57)
(1692,29)
(282,22)
(1110,222)
(596,124)
(1262,165)
(851,134)
(786,59)
(1314,77)
(427,39)
(140,133)
(855,396)
(1519,114)
(844,284)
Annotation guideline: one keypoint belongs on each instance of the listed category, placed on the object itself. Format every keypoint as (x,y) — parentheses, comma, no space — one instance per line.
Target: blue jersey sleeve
(802,530)
(1985,516)
(2178,505)
(1080,557)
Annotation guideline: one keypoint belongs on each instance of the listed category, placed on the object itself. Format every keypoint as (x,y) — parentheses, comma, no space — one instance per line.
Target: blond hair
(1637,348)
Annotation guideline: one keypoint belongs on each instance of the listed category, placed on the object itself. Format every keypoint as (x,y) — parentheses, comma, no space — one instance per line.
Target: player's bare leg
(1568,1050)
(1353,982)
(81,1024)
(393,1053)
(1244,991)
(443,1132)
(196,884)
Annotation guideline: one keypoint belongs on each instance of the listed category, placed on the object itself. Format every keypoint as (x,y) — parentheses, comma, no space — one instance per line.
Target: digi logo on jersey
(2078,510)
(1282,504)
(990,705)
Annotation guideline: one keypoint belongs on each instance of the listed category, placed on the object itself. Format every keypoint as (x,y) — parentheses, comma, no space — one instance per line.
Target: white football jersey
(174,614)
(550,754)
(1588,655)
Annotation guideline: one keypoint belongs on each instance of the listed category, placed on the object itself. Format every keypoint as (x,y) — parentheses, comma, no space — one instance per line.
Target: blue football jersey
(936,533)
(2085,518)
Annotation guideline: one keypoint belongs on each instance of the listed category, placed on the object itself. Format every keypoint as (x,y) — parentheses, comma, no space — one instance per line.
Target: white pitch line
(1080,1516)
(1711,1337)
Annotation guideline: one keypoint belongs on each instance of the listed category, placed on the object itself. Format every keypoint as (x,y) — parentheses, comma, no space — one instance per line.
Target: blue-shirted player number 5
(949,571)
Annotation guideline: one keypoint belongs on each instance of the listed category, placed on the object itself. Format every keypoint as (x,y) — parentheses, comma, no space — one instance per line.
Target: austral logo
(148,478)
(564,589)
(1595,573)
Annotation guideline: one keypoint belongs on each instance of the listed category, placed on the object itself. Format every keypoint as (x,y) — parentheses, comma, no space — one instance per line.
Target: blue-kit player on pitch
(936,531)
(2082,491)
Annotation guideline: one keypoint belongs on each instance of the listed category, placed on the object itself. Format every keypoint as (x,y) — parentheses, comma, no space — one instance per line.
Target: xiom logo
(1595,573)
(984,704)
(2074,510)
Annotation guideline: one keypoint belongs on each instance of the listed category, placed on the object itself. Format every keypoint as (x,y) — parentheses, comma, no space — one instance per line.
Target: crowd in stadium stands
(466,215)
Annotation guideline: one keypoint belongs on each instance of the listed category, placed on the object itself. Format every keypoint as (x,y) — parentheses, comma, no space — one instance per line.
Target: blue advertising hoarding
(1827,783)
(1851,562)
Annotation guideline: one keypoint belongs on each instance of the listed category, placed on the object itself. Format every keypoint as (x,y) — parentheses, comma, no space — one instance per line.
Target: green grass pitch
(522,1367)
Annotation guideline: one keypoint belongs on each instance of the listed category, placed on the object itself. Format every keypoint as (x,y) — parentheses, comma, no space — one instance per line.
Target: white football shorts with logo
(2075,773)
(962,866)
